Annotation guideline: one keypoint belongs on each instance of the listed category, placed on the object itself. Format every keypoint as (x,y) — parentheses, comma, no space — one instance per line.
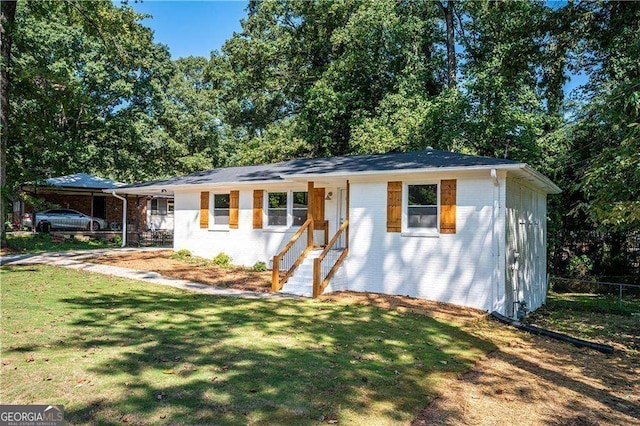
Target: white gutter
(495,237)
(554,189)
(124,218)
(145,190)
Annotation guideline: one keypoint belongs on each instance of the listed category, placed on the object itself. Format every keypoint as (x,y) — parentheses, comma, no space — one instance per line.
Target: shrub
(117,240)
(222,259)
(580,266)
(181,254)
(260,267)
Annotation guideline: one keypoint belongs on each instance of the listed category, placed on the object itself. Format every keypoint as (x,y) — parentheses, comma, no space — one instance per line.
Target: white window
(420,208)
(286,208)
(160,206)
(299,208)
(277,209)
(220,210)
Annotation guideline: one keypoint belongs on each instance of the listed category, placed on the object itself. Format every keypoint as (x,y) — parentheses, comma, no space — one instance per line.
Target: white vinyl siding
(526,229)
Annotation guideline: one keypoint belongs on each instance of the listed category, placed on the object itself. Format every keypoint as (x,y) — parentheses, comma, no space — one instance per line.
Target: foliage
(259,267)
(36,243)
(98,96)
(320,78)
(198,359)
(181,254)
(580,266)
(222,259)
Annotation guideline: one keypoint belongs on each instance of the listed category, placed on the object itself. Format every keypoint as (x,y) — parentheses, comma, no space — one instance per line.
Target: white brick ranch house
(431,224)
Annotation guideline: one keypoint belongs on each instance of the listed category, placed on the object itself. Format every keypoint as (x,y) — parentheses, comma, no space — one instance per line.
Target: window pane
(423,217)
(170,206)
(300,200)
(221,209)
(154,206)
(299,216)
(221,216)
(221,201)
(277,200)
(423,195)
(162,206)
(277,217)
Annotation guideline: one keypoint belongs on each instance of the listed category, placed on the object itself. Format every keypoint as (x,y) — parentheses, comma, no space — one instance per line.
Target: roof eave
(542,180)
(142,190)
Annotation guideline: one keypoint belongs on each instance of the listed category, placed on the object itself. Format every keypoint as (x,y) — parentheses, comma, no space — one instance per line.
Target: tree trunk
(451,43)
(7,18)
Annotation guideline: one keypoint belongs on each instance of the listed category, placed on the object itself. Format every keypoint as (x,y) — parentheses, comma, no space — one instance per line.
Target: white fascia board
(543,180)
(170,188)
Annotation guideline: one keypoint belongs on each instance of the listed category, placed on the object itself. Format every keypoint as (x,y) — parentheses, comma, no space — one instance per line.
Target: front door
(342,206)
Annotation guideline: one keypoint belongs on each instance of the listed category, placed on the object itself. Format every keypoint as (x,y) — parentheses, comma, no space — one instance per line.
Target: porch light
(328,197)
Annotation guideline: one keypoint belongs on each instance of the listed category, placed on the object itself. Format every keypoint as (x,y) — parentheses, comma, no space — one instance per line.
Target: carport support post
(91,221)
(124,217)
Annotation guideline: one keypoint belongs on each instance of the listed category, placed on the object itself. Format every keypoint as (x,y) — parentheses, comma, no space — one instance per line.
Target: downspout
(494,238)
(124,217)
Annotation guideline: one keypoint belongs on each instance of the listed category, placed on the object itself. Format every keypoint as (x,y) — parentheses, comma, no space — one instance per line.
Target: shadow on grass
(182,357)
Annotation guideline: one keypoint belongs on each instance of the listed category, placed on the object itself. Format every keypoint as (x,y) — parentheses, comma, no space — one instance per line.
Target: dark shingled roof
(426,159)
(81,181)
(228,174)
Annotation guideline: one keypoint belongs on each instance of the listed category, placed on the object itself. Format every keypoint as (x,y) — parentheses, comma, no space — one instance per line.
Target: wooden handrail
(276,281)
(319,282)
(295,237)
(340,230)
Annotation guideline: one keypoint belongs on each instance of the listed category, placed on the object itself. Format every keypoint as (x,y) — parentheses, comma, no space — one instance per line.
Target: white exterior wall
(158,221)
(470,267)
(245,245)
(526,233)
(462,268)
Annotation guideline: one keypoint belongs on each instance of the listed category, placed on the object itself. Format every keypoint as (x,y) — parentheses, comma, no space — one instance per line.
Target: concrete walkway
(75,260)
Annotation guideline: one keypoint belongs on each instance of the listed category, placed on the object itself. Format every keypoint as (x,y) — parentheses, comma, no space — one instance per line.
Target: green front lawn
(28,242)
(593,317)
(113,350)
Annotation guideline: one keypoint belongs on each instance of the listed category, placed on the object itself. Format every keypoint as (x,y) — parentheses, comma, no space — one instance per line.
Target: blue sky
(192,27)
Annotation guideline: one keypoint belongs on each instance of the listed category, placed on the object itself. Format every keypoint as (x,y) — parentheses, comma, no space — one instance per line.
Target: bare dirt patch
(536,380)
(201,271)
(407,304)
(528,380)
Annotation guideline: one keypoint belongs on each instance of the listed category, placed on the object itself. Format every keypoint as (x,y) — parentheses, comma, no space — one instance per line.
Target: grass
(592,317)
(113,350)
(36,243)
